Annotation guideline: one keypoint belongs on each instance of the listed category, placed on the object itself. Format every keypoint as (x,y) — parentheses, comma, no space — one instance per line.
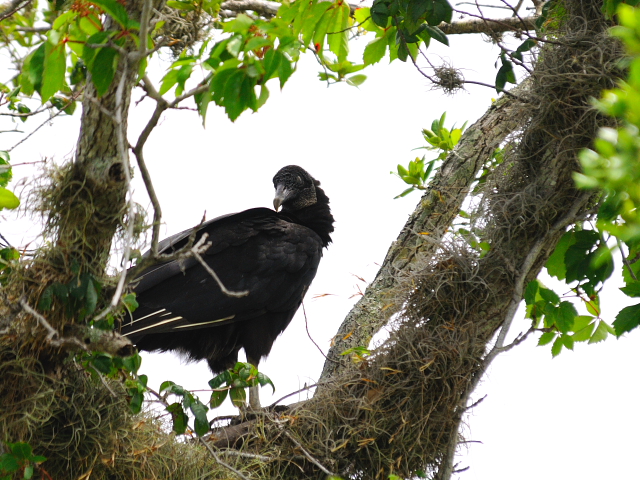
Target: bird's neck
(317,217)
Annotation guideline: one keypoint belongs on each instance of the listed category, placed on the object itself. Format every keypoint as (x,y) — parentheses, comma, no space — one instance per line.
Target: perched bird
(271,255)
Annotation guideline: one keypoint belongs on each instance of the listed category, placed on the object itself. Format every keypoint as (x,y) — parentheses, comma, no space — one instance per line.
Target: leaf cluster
(19,458)
(234,381)
(438,138)
(583,259)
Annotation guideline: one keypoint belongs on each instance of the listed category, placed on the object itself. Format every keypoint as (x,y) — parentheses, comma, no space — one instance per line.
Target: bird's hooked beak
(281,196)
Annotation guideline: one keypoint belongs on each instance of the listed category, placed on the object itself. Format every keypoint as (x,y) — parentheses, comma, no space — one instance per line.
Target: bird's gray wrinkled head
(295,188)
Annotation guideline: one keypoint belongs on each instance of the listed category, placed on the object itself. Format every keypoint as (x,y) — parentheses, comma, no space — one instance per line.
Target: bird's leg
(254,392)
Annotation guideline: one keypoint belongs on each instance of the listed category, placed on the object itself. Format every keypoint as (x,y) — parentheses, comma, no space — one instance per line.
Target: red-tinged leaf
(593,305)
(627,319)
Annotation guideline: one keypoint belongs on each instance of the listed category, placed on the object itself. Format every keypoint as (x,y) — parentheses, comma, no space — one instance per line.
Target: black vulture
(273,255)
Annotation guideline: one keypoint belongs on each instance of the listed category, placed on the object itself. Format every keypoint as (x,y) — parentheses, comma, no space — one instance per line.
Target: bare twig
(253,456)
(53,336)
(307,454)
(213,274)
(13,7)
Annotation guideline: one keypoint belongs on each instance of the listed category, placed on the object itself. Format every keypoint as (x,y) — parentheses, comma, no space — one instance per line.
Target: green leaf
(577,259)
(601,333)
(437,34)
(8,463)
(166,385)
(217,397)
(632,289)
(356,80)
(583,331)
(54,67)
(284,71)
(238,396)
(136,402)
(201,424)
(169,80)
(565,316)
(556,264)
(546,338)
(567,341)
(241,24)
(272,61)
(374,51)
(103,69)
(184,6)
(337,34)
(32,68)
(256,43)
(556,348)
(627,319)
(179,418)
(115,10)
(441,12)
(531,292)
(264,380)
(8,199)
(549,295)
(102,362)
(91,298)
(130,302)
(234,105)
(132,364)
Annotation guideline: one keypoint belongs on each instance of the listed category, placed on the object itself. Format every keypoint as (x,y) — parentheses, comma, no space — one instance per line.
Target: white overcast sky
(573,417)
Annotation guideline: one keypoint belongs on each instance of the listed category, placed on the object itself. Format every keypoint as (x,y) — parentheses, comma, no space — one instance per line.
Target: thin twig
(307,454)
(53,336)
(213,274)
(307,387)
(252,456)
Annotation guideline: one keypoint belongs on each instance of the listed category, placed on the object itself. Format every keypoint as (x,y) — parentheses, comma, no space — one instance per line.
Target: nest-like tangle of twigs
(85,429)
(183,29)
